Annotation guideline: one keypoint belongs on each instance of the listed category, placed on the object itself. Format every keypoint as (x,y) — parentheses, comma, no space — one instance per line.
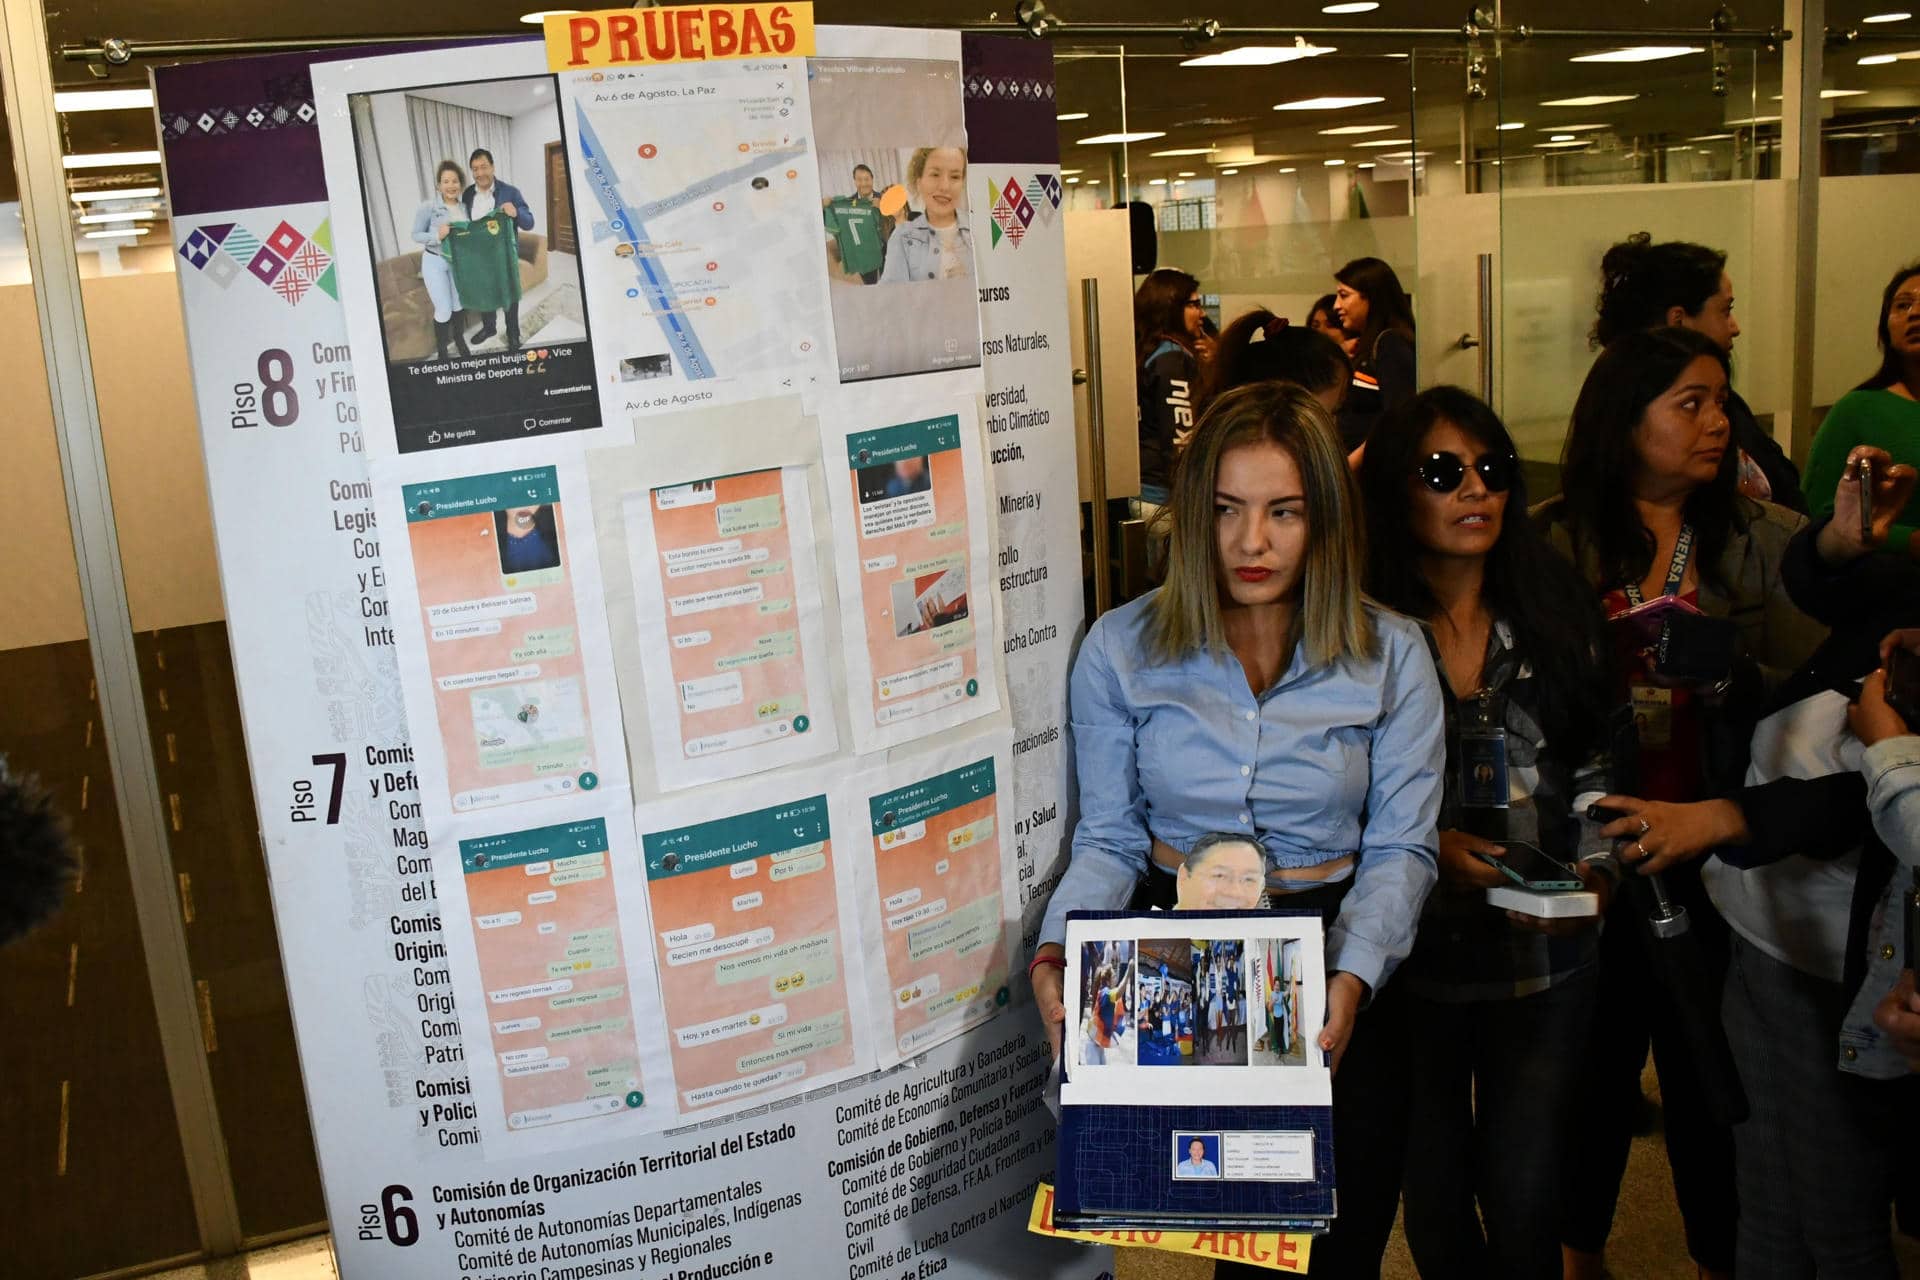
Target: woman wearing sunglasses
(1652,516)
(1494,999)
(1258,692)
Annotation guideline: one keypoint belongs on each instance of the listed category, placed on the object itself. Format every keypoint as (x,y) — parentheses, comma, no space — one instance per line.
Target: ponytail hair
(1640,282)
(1262,347)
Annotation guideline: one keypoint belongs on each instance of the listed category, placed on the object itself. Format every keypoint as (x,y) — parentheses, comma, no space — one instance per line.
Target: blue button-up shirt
(1892,770)
(1334,759)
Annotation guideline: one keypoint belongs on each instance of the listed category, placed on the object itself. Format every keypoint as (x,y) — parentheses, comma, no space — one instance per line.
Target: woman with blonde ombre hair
(1258,692)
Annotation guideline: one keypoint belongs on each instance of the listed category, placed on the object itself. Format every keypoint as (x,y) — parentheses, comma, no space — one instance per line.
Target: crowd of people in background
(1685,676)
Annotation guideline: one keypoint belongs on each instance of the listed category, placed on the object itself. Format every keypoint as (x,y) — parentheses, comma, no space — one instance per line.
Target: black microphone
(36,860)
(1680,960)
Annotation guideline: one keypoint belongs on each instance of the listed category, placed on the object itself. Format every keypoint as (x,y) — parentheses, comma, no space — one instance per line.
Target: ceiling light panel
(1639,53)
(1258,55)
(1325,104)
(109,159)
(123,193)
(103,100)
(1592,100)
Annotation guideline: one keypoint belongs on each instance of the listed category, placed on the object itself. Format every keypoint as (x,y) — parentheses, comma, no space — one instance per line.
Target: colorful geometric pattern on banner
(288,261)
(294,106)
(1018,200)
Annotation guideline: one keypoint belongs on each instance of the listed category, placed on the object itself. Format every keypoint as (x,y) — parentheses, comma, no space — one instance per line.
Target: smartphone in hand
(1863,476)
(1531,867)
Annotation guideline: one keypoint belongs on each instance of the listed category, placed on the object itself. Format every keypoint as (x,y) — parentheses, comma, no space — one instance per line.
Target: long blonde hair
(1332,620)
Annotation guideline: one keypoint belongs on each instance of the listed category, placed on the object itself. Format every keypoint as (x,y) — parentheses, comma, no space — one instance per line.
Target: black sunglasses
(1443,472)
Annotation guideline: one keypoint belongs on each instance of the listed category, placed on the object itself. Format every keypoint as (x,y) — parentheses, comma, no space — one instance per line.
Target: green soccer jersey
(856,230)
(485,257)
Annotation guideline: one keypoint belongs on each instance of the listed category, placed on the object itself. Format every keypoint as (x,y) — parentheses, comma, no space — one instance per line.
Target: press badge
(1483,769)
(1653,715)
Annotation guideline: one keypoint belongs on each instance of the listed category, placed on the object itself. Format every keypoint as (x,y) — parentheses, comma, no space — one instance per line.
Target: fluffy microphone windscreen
(36,860)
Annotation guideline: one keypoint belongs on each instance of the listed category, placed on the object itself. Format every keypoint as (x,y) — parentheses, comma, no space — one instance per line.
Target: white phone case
(1551,905)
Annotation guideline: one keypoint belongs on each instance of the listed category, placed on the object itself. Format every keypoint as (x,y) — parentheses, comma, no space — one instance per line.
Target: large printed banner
(1013,198)
(551,1019)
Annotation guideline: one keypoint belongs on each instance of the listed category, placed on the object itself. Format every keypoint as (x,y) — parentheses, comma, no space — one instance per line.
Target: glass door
(1275,165)
(1457,208)
(1591,142)
(201,1124)
(84,1101)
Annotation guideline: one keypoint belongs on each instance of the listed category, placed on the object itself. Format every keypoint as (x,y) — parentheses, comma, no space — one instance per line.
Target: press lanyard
(1483,752)
(1676,572)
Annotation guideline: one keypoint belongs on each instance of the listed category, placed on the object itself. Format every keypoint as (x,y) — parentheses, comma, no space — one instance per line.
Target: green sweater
(1878,418)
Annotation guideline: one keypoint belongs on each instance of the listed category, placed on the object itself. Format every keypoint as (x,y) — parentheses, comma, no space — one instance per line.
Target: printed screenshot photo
(1106,1037)
(474,263)
(940,877)
(896,248)
(752,956)
(502,636)
(909,488)
(546,932)
(735,652)
(698,201)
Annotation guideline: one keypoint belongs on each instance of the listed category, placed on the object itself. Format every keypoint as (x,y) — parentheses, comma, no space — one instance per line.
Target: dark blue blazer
(503,193)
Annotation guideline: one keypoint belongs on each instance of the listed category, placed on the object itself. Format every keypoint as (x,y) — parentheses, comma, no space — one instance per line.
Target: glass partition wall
(84,1097)
(1584,149)
(1490,172)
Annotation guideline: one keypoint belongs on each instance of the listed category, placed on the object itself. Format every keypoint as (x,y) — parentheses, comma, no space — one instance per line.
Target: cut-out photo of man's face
(1228,875)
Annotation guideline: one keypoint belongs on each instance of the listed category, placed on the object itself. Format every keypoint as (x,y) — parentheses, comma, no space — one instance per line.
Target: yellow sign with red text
(1268,1249)
(682,33)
